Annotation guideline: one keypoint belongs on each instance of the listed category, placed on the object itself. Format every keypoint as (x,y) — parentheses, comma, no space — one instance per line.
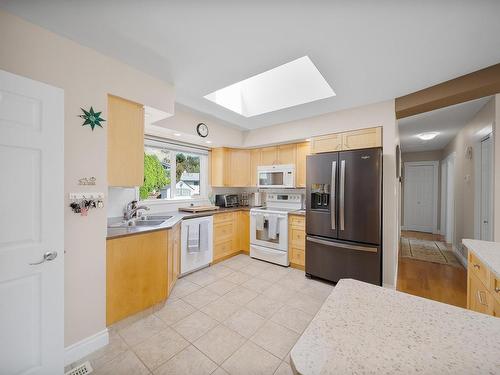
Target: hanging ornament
(91,118)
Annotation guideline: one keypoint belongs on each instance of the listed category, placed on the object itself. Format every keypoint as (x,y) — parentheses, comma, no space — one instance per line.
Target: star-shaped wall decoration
(91,118)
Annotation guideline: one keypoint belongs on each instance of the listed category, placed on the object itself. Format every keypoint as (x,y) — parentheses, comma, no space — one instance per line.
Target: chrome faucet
(131,210)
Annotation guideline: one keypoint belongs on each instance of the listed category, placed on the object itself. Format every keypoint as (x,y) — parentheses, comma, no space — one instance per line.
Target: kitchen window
(174,171)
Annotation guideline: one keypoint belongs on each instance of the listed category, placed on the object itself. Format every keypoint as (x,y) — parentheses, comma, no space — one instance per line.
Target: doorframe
(478,185)
(449,209)
(435,164)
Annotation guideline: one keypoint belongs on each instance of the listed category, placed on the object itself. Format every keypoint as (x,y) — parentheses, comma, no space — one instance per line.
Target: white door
(31,225)
(486,216)
(420,196)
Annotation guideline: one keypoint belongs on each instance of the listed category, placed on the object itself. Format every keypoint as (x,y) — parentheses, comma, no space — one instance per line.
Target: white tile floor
(240,316)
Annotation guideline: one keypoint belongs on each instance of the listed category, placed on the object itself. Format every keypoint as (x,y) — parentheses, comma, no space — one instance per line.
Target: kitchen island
(362,328)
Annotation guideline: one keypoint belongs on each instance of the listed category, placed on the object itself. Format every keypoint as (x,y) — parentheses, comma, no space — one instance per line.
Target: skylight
(287,85)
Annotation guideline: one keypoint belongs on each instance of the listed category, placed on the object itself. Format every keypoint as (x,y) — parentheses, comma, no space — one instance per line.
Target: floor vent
(83,369)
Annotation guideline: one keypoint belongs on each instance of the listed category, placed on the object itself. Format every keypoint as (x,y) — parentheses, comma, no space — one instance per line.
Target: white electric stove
(269,227)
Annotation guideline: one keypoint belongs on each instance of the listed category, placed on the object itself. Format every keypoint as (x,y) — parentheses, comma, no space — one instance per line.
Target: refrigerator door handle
(333,200)
(342,245)
(342,193)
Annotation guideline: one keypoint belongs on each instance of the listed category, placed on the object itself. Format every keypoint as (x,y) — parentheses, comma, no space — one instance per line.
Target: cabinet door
(239,168)
(176,269)
(136,274)
(303,149)
(254,163)
(326,143)
(479,298)
(364,138)
(170,260)
(219,167)
(287,154)
(125,142)
(269,155)
(243,232)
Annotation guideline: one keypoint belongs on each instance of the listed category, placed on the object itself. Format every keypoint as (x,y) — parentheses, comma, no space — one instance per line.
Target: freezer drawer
(335,260)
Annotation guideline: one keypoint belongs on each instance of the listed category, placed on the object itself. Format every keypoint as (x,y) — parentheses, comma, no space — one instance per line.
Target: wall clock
(202,130)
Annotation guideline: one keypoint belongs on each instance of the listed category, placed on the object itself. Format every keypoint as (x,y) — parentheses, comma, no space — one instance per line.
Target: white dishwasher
(196,243)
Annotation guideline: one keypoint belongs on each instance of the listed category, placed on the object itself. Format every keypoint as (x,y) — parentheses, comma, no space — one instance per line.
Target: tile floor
(240,316)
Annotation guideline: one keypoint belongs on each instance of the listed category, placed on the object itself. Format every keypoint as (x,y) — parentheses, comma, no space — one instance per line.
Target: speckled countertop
(115,232)
(487,252)
(366,329)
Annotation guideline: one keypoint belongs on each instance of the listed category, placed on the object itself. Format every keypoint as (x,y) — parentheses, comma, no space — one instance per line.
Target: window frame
(174,149)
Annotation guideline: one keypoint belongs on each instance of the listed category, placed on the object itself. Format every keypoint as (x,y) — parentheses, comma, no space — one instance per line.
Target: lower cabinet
(483,287)
(297,241)
(141,270)
(231,234)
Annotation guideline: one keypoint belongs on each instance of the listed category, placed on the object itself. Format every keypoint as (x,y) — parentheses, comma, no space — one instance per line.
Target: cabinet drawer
(495,289)
(298,221)
(223,217)
(479,269)
(223,248)
(223,232)
(298,256)
(480,299)
(298,238)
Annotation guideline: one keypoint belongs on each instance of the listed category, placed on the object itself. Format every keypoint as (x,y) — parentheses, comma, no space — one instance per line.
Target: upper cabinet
(219,163)
(125,142)
(352,140)
(287,154)
(239,170)
(269,155)
(364,138)
(254,163)
(303,149)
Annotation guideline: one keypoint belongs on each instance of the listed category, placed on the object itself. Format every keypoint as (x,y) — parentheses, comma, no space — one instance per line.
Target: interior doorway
(486,190)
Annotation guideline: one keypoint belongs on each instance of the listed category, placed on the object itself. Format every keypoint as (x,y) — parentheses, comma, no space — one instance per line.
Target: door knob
(47,257)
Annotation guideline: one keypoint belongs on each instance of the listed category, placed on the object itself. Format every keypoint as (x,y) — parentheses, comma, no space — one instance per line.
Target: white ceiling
(368,51)
(446,121)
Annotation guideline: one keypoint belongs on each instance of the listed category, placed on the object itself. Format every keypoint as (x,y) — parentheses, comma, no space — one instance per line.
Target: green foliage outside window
(188,163)
(155,176)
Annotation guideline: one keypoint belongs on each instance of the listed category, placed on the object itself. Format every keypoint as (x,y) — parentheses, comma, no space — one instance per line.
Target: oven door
(271,178)
(262,233)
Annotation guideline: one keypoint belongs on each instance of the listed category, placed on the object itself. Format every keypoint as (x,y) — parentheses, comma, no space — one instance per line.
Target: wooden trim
(218,260)
(298,266)
(470,86)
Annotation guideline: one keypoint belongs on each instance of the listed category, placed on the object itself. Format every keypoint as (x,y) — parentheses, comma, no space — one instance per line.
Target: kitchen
(267,239)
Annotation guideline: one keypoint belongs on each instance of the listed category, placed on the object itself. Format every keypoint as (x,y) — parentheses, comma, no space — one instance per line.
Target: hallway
(439,282)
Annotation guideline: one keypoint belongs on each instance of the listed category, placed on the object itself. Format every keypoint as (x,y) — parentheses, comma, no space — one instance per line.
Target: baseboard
(388,286)
(84,347)
(459,256)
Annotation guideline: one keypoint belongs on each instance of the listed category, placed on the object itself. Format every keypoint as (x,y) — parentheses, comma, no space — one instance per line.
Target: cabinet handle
(497,290)
(477,266)
(480,298)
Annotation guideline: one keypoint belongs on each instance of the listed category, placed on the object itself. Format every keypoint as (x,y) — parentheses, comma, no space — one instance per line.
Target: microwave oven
(276,176)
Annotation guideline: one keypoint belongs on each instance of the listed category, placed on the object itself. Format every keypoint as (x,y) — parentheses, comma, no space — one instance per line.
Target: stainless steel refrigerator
(344,215)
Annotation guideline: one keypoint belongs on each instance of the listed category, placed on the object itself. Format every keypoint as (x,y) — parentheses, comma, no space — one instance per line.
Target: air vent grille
(84,369)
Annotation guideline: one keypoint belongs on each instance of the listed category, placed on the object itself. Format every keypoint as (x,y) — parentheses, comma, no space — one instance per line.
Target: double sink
(143,221)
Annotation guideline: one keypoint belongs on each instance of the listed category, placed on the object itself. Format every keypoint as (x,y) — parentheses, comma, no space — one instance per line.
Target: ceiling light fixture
(177,134)
(291,84)
(208,141)
(427,136)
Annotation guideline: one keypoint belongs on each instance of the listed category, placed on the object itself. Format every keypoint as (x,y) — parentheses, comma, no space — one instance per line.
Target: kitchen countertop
(488,252)
(362,328)
(177,216)
(298,213)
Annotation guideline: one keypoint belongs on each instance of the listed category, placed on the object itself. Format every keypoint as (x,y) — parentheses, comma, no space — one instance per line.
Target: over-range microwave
(276,176)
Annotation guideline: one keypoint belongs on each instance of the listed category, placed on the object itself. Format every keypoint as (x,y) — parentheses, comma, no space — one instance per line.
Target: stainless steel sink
(148,223)
(155,217)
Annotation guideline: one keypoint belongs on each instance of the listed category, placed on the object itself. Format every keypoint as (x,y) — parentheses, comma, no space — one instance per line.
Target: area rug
(428,251)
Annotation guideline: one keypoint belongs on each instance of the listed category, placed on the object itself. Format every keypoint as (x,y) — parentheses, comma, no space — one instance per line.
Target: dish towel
(273,228)
(193,238)
(259,222)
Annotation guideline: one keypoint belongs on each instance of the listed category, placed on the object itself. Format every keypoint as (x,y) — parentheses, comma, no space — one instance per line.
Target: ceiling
(368,51)
(446,121)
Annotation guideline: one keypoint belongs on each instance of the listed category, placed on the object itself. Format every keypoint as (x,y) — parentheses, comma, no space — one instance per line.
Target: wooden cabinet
(269,155)
(239,168)
(254,163)
(483,287)
(364,138)
(231,234)
(326,143)
(174,264)
(243,232)
(287,154)
(303,149)
(136,273)
(219,167)
(352,140)
(297,241)
(125,142)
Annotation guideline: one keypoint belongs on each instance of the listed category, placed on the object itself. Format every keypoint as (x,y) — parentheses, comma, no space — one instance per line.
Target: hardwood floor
(439,282)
